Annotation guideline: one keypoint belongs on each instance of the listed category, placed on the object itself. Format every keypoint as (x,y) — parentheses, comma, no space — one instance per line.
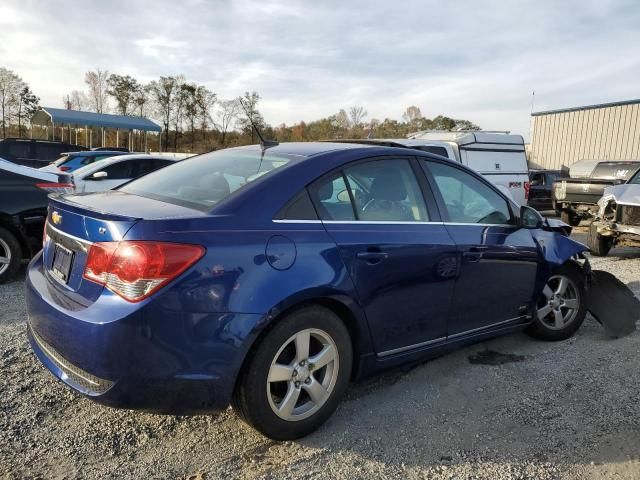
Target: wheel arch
(341,304)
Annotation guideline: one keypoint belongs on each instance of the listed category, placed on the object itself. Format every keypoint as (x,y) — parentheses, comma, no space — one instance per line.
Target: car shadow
(544,407)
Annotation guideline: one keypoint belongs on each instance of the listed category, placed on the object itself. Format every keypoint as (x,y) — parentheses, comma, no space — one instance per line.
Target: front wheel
(561,308)
(297,374)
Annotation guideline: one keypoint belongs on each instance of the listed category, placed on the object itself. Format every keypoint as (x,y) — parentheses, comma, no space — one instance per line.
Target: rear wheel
(598,244)
(570,218)
(10,255)
(561,308)
(297,375)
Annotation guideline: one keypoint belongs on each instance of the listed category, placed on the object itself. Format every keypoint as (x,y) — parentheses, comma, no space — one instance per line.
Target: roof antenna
(263,143)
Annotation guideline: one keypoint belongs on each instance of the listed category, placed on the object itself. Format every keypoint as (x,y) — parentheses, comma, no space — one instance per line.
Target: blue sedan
(269,277)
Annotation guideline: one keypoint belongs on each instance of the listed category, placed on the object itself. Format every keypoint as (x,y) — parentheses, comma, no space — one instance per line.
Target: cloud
(309,59)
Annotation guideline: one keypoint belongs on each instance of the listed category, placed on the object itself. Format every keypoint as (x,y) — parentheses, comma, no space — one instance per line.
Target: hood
(627,194)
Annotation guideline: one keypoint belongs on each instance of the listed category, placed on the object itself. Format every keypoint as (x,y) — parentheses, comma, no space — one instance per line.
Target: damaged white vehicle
(617,222)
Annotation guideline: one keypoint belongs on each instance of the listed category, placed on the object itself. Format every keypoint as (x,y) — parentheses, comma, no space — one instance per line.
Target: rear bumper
(149,356)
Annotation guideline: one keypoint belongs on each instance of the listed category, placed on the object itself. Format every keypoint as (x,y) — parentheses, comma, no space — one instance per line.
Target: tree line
(196,119)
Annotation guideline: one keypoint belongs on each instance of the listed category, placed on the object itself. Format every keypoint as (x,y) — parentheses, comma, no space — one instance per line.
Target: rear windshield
(204,181)
(61,160)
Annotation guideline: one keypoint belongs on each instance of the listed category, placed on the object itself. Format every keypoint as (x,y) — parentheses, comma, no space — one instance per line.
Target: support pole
(160,141)
(91,138)
(76,129)
(103,137)
(145,142)
(53,131)
(117,137)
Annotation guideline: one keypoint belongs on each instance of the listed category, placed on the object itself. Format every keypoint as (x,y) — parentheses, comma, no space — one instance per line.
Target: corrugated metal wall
(599,133)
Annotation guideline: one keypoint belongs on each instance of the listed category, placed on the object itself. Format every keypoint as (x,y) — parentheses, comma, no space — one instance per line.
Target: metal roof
(77,118)
(586,107)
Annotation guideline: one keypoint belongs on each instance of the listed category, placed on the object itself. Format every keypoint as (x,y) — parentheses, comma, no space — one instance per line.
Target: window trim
(444,213)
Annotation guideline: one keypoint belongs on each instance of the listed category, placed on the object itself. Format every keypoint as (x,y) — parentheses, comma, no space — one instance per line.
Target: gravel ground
(552,410)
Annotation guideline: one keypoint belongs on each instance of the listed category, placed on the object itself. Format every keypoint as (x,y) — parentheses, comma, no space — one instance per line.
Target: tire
(598,244)
(264,404)
(570,218)
(554,317)
(10,255)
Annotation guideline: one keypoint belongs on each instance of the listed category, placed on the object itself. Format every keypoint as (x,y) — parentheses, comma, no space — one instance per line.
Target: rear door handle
(474,254)
(372,256)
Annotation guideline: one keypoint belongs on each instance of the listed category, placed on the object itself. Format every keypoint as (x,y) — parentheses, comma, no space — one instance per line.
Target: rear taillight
(57,187)
(527,187)
(136,269)
(64,168)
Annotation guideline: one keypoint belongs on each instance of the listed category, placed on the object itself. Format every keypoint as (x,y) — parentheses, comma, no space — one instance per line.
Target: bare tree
(249,114)
(225,115)
(76,100)
(411,114)
(10,87)
(97,83)
(357,114)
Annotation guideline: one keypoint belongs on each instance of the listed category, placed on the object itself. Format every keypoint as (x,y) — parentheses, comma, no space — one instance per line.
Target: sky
(479,61)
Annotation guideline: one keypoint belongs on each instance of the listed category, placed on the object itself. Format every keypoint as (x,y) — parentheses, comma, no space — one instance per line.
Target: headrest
(388,185)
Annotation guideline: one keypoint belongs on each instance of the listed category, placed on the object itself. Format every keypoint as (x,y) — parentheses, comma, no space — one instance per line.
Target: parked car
(500,157)
(576,199)
(116,170)
(271,277)
(23,210)
(110,149)
(71,161)
(617,222)
(34,153)
(541,188)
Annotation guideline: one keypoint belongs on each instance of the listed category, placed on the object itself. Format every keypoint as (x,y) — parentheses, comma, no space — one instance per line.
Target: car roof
(305,149)
(96,166)
(93,153)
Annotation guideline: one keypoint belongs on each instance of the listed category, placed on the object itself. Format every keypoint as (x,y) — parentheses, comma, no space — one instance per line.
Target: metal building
(609,131)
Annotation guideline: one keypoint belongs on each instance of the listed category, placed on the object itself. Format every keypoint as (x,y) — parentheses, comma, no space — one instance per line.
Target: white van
(500,157)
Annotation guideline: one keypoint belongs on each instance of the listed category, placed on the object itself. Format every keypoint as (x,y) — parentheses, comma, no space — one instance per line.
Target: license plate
(62,261)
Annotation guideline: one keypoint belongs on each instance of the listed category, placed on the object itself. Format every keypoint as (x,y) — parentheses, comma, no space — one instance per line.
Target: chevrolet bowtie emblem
(56,218)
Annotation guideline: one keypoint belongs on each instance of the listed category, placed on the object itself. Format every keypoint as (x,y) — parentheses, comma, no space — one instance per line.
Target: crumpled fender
(557,248)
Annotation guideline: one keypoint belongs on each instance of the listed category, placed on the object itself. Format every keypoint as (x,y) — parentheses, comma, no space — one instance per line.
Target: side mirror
(344,197)
(99,176)
(530,218)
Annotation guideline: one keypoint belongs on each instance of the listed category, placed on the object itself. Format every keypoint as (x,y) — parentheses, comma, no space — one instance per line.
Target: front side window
(373,191)
(468,199)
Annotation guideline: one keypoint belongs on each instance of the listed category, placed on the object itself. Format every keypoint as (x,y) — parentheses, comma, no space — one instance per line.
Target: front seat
(388,191)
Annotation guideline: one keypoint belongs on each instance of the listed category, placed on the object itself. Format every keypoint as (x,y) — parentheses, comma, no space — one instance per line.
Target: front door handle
(372,256)
(474,254)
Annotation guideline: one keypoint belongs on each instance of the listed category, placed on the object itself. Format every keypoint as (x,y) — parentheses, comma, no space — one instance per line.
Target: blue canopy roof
(61,116)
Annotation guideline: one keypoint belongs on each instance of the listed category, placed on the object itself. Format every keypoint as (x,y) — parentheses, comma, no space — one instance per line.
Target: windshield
(635,179)
(204,181)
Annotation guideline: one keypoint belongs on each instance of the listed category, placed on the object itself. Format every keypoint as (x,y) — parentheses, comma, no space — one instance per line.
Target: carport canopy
(47,116)
(50,118)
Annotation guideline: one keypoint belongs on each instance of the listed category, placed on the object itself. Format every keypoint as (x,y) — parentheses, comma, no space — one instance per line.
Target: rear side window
(120,171)
(204,181)
(299,208)
(331,195)
(468,199)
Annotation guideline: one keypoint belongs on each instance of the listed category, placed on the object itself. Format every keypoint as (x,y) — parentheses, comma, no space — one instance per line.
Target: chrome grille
(84,380)
(629,215)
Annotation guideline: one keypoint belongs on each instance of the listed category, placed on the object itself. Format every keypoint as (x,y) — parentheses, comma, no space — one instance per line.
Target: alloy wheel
(559,302)
(303,374)
(5,256)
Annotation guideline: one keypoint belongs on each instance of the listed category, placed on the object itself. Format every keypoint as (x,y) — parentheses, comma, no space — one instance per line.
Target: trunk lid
(76,221)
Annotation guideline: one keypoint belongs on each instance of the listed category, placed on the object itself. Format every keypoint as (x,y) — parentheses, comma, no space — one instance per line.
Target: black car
(34,153)
(23,209)
(110,149)
(541,187)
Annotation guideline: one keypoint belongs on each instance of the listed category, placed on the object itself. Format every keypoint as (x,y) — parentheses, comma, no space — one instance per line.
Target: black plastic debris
(489,357)
(613,304)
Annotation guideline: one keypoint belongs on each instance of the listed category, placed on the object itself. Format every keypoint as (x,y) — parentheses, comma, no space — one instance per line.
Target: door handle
(372,256)
(474,254)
